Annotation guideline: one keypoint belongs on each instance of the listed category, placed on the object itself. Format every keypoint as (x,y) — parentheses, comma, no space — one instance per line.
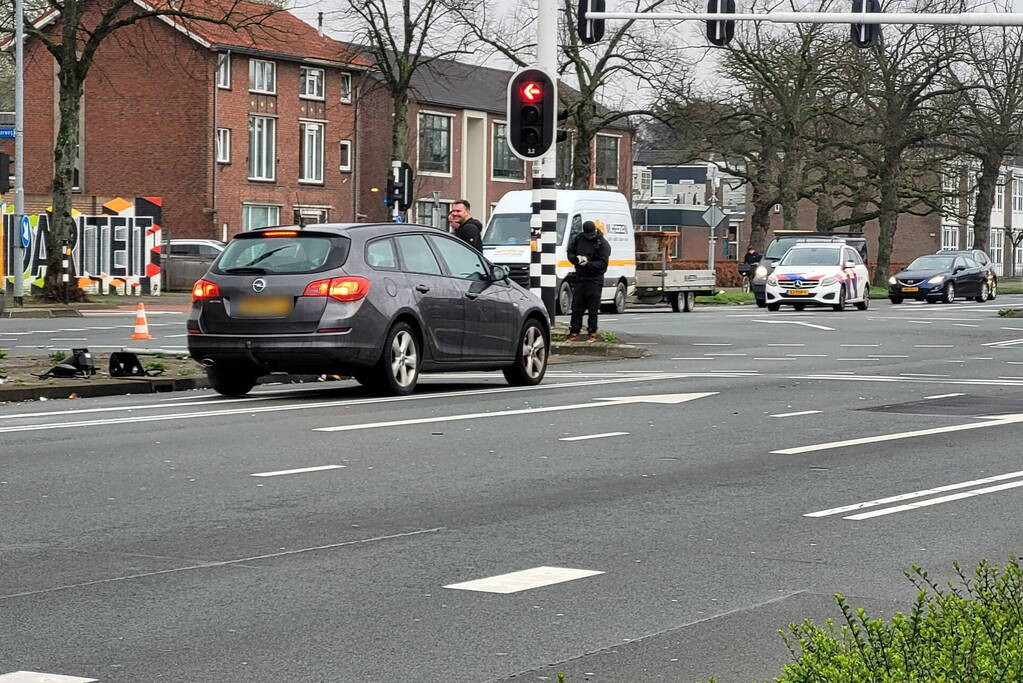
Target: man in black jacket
(589,253)
(469,229)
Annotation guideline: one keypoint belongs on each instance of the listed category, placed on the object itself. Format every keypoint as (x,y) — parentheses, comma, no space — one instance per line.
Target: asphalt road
(101,331)
(725,486)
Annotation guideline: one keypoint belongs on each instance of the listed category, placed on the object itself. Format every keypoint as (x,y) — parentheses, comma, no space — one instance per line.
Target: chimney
(319,24)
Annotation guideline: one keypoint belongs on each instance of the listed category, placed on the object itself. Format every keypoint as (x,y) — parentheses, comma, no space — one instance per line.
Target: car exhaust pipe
(208,362)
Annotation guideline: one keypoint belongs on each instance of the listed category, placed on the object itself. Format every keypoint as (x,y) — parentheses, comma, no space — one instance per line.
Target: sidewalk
(169,301)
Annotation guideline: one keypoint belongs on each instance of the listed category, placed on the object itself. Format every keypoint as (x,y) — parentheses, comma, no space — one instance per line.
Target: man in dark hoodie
(589,253)
(469,229)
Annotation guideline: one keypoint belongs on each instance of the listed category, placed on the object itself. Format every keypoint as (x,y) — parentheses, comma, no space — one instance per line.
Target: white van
(506,240)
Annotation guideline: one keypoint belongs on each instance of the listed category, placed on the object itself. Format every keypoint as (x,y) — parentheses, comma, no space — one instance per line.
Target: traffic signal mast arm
(960,19)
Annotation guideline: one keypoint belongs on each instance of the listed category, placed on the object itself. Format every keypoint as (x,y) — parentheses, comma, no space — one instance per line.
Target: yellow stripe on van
(612,262)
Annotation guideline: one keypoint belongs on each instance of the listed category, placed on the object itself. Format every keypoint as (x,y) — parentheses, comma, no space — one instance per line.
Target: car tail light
(339,288)
(204,289)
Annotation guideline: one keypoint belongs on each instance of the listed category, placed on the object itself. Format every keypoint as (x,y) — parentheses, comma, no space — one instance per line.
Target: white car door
(862,274)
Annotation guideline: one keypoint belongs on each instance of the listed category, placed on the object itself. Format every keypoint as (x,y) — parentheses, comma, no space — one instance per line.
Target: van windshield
(777,248)
(513,229)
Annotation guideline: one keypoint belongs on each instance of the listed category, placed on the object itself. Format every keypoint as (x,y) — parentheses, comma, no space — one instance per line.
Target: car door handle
(422,288)
(472,296)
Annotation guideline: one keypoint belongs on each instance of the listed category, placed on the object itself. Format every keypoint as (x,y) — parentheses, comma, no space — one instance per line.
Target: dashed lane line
(526,579)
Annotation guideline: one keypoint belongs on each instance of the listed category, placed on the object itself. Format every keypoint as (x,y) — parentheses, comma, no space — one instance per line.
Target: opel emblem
(258,285)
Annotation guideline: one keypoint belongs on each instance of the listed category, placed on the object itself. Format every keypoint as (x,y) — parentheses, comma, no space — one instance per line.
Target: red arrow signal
(531,91)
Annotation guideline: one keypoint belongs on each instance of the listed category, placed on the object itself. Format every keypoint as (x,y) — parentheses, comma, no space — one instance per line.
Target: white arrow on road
(667,399)
(795,322)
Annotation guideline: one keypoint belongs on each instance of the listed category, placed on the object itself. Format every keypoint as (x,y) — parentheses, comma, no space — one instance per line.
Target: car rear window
(301,253)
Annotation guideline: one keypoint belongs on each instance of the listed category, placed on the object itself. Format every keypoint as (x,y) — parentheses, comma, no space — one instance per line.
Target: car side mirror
(850,264)
(498,273)
(958,269)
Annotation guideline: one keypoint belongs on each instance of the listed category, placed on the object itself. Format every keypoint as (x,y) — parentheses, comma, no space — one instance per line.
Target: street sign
(7,133)
(712,216)
(26,232)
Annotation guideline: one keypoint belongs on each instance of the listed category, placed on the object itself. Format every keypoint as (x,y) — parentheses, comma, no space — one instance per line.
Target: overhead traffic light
(532,113)
(720,32)
(865,35)
(399,192)
(590,31)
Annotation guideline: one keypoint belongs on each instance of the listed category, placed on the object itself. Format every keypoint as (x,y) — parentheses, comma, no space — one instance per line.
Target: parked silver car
(187,260)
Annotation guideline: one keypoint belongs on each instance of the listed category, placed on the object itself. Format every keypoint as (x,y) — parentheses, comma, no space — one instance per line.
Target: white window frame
(345,151)
(996,249)
(424,207)
(949,237)
(346,87)
(618,160)
(304,81)
(1000,194)
(224,70)
(451,143)
(311,167)
(269,133)
(1017,194)
(258,81)
(247,206)
(223,145)
(493,156)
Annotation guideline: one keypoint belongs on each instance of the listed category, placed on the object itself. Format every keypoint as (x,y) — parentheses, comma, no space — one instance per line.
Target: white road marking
(919,374)
(724,354)
(928,398)
(889,378)
(795,322)
(700,358)
(963,325)
(523,580)
(786,344)
(1003,344)
(593,436)
(709,344)
(980,358)
(999,422)
(36,677)
(323,404)
(807,355)
(919,322)
(1014,362)
(300,470)
(858,360)
(1014,329)
(886,355)
(860,346)
(605,402)
(66,339)
(935,501)
(934,346)
(774,358)
(915,494)
(801,412)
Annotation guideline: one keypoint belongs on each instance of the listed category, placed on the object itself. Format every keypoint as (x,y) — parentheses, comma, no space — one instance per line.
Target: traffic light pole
(18,253)
(543,274)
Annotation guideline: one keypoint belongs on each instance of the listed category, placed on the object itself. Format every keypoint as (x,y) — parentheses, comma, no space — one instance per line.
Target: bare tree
(991,110)
(636,59)
(402,39)
(73,40)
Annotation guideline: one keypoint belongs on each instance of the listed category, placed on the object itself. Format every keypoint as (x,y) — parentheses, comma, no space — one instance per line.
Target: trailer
(657,281)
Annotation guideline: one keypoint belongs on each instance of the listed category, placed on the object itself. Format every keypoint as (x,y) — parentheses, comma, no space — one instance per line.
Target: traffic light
(865,35)
(400,192)
(5,172)
(532,113)
(720,33)
(589,30)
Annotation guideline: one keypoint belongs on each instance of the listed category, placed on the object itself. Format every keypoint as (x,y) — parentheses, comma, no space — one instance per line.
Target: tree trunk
(825,211)
(399,128)
(582,146)
(889,214)
(991,164)
(64,159)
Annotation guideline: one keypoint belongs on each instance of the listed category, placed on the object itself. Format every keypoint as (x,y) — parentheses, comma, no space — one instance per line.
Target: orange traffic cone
(141,326)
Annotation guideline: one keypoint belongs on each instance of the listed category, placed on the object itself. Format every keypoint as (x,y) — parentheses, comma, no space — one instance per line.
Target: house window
(565,151)
(1000,194)
(310,84)
(223,145)
(505,164)
(996,248)
(434,143)
(949,237)
(950,198)
(424,214)
(262,148)
(260,216)
(606,161)
(346,88)
(224,71)
(262,76)
(311,152)
(969,237)
(310,215)
(1017,195)
(346,155)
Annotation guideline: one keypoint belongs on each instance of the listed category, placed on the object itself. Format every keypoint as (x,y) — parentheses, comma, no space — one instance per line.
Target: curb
(43,313)
(599,349)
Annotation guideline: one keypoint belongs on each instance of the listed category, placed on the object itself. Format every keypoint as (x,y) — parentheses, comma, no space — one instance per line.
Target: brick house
(457,146)
(233,129)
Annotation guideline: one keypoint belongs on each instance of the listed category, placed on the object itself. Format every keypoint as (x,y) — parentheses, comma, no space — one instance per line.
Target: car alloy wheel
(530,358)
(404,359)
(865,304)
(840,306)
(950,293)
(984,295)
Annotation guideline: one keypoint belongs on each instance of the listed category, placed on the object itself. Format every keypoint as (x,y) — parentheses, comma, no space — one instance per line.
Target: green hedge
(971,630)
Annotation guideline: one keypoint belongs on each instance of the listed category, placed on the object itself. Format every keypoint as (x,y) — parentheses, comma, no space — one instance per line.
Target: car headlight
(772,281)
(761,271)
(828,281)
(936,280)
(892,280)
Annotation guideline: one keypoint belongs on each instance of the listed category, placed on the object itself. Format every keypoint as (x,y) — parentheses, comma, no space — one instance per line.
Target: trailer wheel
(688,301)
(673,299)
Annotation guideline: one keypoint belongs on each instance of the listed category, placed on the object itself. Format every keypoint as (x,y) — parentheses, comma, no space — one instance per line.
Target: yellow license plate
(910,289)
(799,292)
(265,306)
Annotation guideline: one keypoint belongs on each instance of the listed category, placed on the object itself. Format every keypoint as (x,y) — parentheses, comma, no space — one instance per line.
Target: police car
(819,274)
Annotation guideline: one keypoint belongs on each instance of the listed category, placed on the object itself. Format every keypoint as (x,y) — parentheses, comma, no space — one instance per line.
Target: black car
(940,277)
(379,302)
(981,257)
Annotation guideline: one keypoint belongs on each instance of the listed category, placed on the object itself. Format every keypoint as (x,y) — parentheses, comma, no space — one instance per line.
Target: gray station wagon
(379,302)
